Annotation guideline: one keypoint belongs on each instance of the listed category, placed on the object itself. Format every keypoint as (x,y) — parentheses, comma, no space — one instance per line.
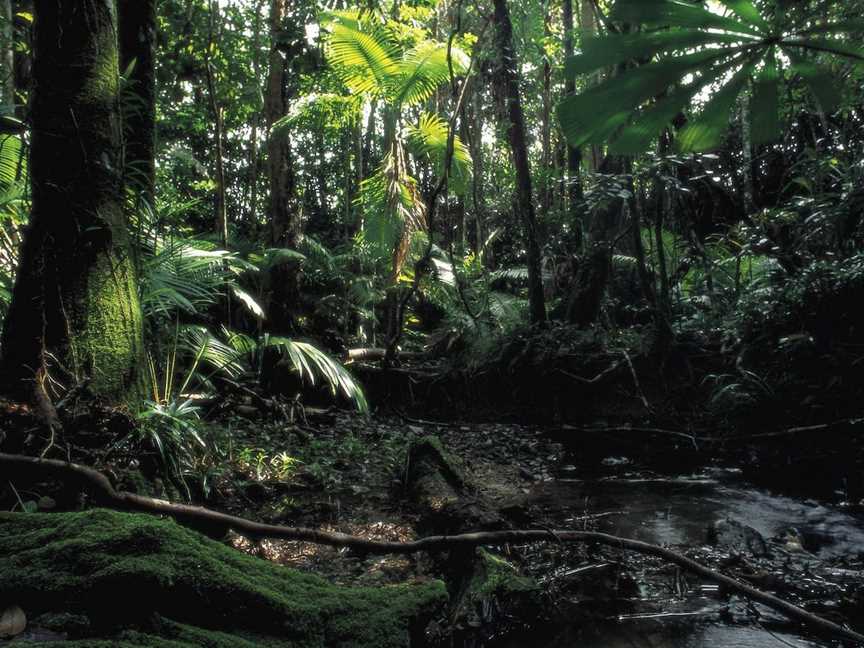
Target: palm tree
(377,69)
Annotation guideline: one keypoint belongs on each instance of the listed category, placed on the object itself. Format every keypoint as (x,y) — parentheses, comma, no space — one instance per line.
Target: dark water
(677,510)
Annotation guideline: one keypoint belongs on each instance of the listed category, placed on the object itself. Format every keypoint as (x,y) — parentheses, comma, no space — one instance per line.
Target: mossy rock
(146,581)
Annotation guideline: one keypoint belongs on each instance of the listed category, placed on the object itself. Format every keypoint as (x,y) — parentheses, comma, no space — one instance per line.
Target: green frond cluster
(428,139)
(685,50)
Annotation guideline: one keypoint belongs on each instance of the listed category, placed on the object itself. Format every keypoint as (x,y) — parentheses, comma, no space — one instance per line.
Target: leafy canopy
(686,50)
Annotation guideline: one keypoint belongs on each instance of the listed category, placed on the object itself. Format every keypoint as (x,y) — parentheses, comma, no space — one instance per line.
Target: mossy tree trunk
(137,36)
(75,314)
(516,132)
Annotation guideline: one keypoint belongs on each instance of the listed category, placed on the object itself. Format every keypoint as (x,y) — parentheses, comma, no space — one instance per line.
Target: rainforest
(443,323)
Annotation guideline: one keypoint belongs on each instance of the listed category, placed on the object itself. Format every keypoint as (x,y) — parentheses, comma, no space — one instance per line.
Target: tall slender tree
(75,314)
(524,202)
(7,58)
(574,154)
(284,216)
(137,38)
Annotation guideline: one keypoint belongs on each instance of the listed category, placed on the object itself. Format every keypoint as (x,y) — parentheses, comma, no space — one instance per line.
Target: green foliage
(428,139)
(817,304)
(687,50)
(373,65)
(13,172)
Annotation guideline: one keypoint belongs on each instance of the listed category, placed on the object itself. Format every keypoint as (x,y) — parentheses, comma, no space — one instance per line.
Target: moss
(123,570)
(495,577)
(109,346)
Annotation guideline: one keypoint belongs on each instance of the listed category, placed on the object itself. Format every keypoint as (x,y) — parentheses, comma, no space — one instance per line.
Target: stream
(820,543)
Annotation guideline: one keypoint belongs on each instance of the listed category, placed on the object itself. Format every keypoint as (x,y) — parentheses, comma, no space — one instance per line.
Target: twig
(31,467)
(596,379)
(636,381)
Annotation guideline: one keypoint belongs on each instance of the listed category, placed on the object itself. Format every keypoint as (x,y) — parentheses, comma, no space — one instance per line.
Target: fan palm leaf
(687,48)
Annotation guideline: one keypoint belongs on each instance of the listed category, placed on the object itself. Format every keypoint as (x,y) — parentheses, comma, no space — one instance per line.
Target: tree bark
(547,171)
(509,79)
(574,155)
(137,38)
(75,314)
(254,165)
(7,59)
(285,226)
(220,207)
(589,26)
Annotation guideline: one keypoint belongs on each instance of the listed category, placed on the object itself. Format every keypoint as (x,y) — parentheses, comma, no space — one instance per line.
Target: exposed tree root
(32,468)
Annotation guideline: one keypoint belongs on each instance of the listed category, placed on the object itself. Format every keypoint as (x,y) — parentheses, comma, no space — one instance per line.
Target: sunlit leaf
(706,131)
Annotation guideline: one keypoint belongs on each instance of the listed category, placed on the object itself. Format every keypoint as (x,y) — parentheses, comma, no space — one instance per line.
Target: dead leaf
(13,621)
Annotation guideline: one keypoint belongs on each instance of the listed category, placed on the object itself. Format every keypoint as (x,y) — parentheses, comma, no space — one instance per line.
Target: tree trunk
(75,314)
(475,141)
(589,26)
(220,207)
(509,79)
(574,155)
(137,38)
(254,166)
(7,59)
(285,228)
(546,165)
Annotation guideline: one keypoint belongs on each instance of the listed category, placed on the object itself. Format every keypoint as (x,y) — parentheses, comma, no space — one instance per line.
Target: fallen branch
(374,355)
(821,427)
(34,468)
(629,428)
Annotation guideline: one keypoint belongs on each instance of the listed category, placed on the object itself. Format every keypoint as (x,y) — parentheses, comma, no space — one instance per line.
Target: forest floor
(348,475)
(783,511)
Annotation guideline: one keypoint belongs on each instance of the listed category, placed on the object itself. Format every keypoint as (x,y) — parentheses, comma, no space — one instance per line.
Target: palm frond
(428,139)
(311,363)
(713,50)
(364,56)
(422,70)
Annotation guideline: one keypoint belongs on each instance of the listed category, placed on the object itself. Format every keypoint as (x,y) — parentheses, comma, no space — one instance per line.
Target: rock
(731,534)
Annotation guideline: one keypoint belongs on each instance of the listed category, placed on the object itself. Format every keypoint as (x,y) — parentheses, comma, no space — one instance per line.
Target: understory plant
(188,289)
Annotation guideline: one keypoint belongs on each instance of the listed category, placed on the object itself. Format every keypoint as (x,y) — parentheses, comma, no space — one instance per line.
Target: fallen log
(33,468)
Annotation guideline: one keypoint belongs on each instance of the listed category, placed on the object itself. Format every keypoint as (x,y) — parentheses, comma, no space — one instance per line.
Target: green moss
(109,347)
(124,570)
(495,577)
